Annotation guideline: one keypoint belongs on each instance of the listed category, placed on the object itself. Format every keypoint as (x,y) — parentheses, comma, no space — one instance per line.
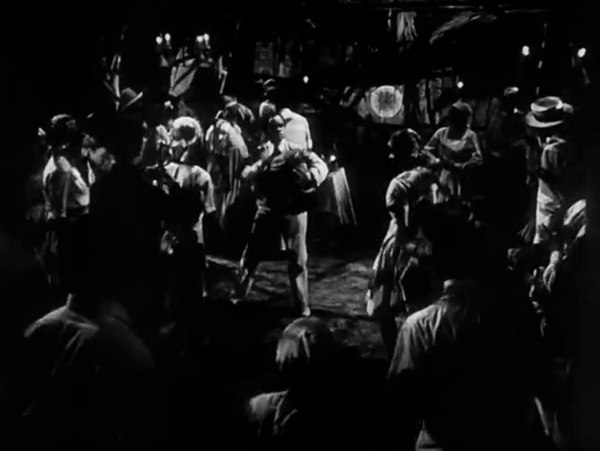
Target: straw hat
(548,112)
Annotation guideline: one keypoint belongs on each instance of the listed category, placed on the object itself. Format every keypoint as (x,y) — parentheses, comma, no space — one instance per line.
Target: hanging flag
(264,59)
(182,73)
(405,26)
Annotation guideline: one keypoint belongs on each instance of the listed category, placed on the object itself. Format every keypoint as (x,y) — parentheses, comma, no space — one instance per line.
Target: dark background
(50,62)
(59,45)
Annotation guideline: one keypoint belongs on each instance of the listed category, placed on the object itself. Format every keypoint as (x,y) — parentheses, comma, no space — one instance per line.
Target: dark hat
(127,98)
(238,112)
(511,91)
(62,130)
(270,84)
(548,112)
(229,99)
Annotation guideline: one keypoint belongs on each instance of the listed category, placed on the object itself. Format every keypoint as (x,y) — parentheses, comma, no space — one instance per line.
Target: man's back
(296,129)
(84,379)
(471,377)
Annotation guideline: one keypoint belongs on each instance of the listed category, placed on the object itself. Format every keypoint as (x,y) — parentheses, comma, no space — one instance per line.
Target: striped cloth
(334,197)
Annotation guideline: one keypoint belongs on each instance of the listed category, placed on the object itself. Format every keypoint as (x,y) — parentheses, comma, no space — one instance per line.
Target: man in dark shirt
(465,369)
(127,214)
(91,380)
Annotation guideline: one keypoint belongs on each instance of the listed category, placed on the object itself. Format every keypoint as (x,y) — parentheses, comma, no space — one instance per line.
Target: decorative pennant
(183,71)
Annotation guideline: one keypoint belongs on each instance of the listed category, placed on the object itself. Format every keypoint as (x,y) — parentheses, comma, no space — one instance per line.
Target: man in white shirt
(196,199)
(297,129)
(285,177)
(66,181)
(66,189)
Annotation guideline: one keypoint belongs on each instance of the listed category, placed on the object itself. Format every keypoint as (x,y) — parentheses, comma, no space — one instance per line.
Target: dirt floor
(236,358)
(337,289)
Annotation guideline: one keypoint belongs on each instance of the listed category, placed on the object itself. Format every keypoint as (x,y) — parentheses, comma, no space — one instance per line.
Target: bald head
(275,127)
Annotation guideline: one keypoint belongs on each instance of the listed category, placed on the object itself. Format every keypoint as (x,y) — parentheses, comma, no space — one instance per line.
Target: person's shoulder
(123,348)
(471,134)
(287,114)
(404,177)
(171,167)
(49,168)
(425,318)
(200,174)
(301,118)
(260,406)
(61,320)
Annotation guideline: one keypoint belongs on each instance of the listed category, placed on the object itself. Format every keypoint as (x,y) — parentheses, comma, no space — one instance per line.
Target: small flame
(581,52)
(525,51)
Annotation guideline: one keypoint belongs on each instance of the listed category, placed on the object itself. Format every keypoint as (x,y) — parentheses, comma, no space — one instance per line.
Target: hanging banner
(264,58)
(182,74)
(383,105)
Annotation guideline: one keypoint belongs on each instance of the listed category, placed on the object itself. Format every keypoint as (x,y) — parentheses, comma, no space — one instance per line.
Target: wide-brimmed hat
(127,98)
(62,130)
(548,112)
(270,84)
(511,91)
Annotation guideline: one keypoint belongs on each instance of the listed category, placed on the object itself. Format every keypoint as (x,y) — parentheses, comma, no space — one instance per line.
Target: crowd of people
(489,316)
(479,320)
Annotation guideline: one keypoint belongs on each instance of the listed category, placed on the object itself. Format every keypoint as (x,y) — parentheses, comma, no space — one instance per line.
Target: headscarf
(63,131)
(187,129)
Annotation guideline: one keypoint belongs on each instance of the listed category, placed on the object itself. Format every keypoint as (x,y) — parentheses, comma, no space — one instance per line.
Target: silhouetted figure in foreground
(306,412)
(466,369)
(90,376)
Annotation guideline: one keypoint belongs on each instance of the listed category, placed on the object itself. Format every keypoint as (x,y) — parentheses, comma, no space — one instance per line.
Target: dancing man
(285,178)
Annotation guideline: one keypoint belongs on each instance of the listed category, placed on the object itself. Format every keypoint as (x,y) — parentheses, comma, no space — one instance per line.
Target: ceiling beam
(415,5)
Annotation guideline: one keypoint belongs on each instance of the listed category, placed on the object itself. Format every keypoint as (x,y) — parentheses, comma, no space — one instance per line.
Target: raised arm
(204,180)
(432,145)
(309,141)
(396,203)
(251,171)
